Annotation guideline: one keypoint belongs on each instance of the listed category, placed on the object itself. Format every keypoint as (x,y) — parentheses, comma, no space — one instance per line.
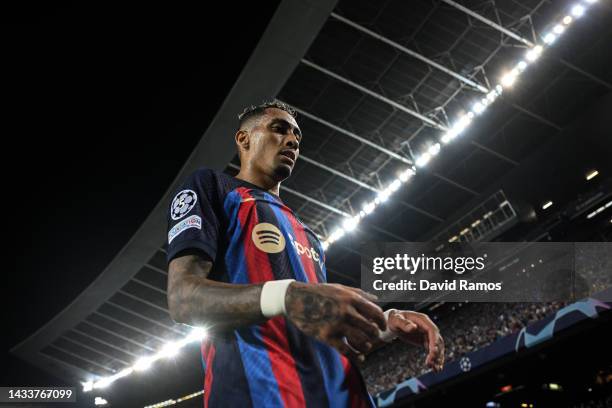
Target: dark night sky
(103,105)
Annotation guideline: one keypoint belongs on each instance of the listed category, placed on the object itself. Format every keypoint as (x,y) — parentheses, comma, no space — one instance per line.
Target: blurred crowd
(593,265)
(469,327)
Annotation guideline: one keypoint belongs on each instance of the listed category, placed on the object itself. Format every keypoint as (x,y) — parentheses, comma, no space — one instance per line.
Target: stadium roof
(373,85)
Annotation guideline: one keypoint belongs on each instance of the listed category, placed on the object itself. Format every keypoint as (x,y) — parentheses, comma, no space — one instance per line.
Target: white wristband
(387,336)
(272,300)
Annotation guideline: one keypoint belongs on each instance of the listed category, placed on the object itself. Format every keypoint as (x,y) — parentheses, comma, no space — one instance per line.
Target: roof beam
(395,104)
(381,149)
(98,340)
(338,173)
(148,319)
(119,335)
(352,135)
(131,327)
(375,95)
(367,186)
(102,353)
(412,53)
(523,40)
(146,302)
(488,22)
(440,67)
(85,359)
(155,268)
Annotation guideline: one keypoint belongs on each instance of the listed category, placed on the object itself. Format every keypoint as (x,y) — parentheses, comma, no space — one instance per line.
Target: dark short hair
(257,110)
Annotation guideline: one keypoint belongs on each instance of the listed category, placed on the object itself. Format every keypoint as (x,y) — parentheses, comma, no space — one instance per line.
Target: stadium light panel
(143,364)
(479,107)
(350,224)
(446,138)
(383,196)
(578,10)
(197,334)
(423,160)
(170,350)
(368,208)
(558,29)
(591,175)
(100,401)
(405,175)
(395,185)
(549,38)
(510,78)
(103,383)
(434,149)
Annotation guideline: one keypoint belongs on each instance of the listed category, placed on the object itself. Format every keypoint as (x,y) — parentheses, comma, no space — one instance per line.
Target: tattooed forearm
(195,300)
(308,309)
(331,313)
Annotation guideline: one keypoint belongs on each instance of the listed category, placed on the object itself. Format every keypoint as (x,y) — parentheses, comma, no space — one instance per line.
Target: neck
(260,179)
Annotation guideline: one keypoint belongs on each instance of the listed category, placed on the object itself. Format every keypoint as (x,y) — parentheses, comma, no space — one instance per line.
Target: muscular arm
(327,312)
(198,301)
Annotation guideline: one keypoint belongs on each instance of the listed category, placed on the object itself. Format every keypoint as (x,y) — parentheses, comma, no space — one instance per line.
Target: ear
(242,138)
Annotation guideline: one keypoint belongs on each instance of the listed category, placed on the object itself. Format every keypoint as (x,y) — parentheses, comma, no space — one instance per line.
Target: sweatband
(272,300)
(387,336)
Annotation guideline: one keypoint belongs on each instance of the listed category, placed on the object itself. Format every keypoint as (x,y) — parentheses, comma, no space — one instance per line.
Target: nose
(292,142)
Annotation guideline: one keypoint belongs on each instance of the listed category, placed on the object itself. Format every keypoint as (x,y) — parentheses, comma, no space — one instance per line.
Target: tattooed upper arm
(180,271)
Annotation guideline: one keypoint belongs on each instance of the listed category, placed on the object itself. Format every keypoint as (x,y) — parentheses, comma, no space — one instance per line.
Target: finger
(441,355)
(431,346)
(371,297)
(358,321)
(370,311)
(400,324)
(430,329)
(433,351)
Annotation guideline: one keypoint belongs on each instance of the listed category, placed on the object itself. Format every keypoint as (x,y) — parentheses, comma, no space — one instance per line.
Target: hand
(335,314)
(418,329)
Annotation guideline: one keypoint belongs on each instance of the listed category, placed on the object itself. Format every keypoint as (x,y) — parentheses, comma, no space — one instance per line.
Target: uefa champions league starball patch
(183,202)
(465,364)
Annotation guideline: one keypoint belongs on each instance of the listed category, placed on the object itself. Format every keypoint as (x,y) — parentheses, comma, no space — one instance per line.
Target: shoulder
(211,184)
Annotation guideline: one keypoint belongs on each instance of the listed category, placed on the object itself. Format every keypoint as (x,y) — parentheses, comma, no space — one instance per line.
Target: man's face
(274,143)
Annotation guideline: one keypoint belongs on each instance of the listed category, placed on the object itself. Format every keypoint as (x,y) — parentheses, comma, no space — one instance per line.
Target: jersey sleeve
(193,218)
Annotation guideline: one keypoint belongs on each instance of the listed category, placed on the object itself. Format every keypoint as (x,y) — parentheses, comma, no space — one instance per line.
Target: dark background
(103,103)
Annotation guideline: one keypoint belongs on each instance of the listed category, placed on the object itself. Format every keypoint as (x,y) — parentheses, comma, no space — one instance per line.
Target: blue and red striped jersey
(251,236)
